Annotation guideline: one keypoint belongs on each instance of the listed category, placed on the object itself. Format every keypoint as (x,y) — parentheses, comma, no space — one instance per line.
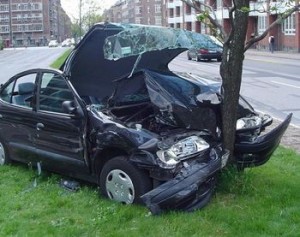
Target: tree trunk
(231,72)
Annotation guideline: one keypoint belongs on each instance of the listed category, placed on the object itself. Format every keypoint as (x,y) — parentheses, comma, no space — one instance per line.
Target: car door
(18,116)
(60,139)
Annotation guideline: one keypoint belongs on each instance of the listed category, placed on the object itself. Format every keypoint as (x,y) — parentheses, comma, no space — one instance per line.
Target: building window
(138,20)
(138,10)
(261,24)
(4,29)
(171,13)
(4,18)
(4,8)
(157,8)
(37,6)
(189,26)
(289,25)
(158,21)
(177,11)
(203,28)
(188,10)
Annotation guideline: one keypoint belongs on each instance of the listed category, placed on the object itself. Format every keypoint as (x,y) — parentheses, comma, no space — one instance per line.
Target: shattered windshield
(138,39)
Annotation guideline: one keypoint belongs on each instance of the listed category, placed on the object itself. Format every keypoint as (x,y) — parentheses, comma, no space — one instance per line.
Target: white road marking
(285,84)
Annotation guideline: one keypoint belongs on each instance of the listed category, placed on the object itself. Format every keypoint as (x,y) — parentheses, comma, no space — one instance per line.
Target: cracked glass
(138,39)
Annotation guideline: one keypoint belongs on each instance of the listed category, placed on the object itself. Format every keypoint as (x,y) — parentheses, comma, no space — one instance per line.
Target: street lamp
(10,23)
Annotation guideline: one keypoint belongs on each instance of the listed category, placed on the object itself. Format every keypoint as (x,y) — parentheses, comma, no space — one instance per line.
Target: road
(270,84)
(13,61)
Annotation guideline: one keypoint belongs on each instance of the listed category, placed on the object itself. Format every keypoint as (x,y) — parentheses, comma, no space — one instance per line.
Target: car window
(20,91)
(7,92)
(54,90)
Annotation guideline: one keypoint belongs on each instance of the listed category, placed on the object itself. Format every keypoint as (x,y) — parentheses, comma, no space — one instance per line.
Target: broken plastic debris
(69,185)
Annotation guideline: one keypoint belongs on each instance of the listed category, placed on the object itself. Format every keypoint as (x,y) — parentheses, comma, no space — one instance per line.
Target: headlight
(182,150)
(248,123)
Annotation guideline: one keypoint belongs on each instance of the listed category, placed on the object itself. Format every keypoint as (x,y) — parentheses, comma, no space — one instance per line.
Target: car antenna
(135,65)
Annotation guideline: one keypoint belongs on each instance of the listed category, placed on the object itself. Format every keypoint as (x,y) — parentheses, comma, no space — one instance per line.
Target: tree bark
(231,72)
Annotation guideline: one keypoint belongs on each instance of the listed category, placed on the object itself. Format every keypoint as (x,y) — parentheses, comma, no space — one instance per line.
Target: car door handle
(39,126)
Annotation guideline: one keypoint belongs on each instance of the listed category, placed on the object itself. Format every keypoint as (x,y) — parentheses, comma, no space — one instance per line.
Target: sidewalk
(278,54)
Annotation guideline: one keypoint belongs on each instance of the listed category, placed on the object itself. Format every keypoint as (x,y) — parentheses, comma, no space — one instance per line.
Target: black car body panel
(190,189)
(102,108)
(259,151)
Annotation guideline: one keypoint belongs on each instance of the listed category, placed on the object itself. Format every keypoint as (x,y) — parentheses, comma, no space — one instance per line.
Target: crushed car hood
(114,50)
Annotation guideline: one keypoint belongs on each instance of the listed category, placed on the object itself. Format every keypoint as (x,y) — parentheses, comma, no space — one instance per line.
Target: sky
(72,6)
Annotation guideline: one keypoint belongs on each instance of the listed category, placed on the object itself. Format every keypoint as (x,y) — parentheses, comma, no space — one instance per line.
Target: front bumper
(191,189)
(259,151)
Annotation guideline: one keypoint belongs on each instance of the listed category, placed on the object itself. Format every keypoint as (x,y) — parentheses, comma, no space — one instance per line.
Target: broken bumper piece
(259,151)
(190,190)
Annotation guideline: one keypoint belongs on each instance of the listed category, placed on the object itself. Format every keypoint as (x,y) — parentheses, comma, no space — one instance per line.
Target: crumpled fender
(191,189)
(261,149)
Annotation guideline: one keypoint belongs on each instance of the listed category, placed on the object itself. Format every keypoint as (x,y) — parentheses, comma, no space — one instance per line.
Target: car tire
(122,182)
(219,59)
(198,59)
(4,157)
(189,58)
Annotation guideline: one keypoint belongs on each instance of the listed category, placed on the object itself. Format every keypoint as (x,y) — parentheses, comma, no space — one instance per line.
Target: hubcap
(119,187)
(2,154)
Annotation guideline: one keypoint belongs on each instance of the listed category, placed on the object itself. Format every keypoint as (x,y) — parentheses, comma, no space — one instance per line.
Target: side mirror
(69,107)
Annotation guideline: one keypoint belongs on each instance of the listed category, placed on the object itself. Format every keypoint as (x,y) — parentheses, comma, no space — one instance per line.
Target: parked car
(116,116)
(67,43)
(207,48)
(53,43)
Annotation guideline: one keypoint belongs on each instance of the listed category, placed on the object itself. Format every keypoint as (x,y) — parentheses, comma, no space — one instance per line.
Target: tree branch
(196,4)
(278,20)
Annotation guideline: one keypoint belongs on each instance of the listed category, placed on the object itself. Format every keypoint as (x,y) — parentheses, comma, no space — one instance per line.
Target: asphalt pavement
(291,138)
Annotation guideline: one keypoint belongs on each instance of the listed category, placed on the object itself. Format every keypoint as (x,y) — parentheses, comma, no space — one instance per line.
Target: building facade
(146,12)
(32,22)
(286,34)
(180,15)
(176,14)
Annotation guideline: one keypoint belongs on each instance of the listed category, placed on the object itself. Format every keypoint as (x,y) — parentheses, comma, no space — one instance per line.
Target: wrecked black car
(116,116)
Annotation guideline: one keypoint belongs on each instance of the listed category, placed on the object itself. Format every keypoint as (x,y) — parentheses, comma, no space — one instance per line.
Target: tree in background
(234,48)
(89,14)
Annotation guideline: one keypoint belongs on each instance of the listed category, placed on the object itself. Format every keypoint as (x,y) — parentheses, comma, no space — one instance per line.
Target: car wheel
(219,59)
(198,59)
(123,182)
(189,58)
(4,158)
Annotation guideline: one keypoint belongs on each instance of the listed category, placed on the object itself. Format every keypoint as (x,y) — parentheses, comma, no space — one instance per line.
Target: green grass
(57,63)
(263,201)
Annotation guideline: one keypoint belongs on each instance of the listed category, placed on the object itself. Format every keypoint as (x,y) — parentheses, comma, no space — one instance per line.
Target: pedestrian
(271,43)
